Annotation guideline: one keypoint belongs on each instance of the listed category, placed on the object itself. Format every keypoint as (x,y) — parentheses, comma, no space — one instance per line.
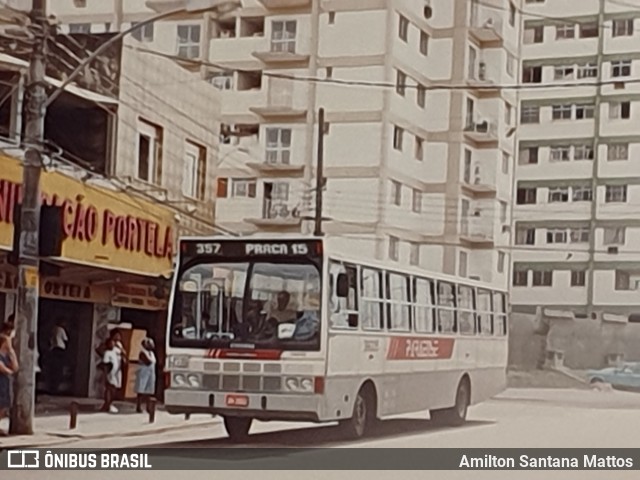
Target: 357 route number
(208,248)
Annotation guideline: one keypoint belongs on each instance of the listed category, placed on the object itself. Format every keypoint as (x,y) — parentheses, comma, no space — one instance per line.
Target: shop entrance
(64,373)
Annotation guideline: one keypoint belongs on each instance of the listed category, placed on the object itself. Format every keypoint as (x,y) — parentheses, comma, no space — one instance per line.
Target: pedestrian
(57,355)
(8,366)
(146,374)
(112,365)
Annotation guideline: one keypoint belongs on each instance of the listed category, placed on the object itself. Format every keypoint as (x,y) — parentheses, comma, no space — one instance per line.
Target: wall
(585,342)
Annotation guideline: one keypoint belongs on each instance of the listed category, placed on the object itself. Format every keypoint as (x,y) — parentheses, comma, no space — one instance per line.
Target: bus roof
(336,255)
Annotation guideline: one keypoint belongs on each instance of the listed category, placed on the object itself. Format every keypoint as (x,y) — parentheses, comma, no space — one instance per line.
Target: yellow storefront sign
(102,228)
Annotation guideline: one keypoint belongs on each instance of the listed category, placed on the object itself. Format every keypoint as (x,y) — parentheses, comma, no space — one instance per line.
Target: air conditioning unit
(481,126)
(612,250)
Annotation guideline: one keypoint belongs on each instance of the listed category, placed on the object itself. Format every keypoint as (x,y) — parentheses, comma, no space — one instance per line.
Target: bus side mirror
(342,286)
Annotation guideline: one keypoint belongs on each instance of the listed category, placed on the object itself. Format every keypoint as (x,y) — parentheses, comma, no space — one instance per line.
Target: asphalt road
(578,419)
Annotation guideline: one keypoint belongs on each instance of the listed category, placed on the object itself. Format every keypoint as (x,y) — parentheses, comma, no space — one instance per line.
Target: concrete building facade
(575,212)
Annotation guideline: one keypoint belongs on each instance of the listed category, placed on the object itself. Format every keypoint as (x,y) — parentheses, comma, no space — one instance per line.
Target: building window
(583,152)
(283,36)
(526,196)
(542,278)
(501,261)
(589,70)
(566,31)
(585,111)
(511,65)
(149,152)
(614,236)
(81,28)
(419,153)
(621,68)
(424,43)
(580,235)
(532,75)
(221,80)
(623,280)
(189,41)
(195,171)
(396,193)
(582,194)
(243,188)
(589,30)
(561,112)
(332,18)
(401,83)
(557,235)
(398,138)
(506,160)
(564,72)
(414,256)
(560,154)
(620,110)
(615,194)
(558,194)
(528,156)
(623,27)
(512,14)
(394,248)
(416,201)
(278,147)
(530,114)
(525,236)
(143,34)
(533,34)
(403,28)
(520,278)
(463,260)
(503,211)
(618,151)
(421,96)
(578,278)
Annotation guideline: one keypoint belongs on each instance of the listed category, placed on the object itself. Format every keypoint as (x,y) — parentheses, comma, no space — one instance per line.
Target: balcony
(284,101)
(282,4)
(481,130)
(276,168)
(487,30)
(282,53)
(480,81)
(477,231)
(277,214)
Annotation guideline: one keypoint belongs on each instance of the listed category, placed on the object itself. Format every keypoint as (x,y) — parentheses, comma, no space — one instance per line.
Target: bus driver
(284,310)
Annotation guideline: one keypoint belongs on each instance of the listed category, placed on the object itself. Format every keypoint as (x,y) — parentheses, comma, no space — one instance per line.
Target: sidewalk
(52,423)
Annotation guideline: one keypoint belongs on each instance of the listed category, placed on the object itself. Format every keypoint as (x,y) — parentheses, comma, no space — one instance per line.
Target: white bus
(285,329)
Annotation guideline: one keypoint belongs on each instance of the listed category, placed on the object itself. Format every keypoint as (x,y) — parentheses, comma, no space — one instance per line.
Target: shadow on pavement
(322,437)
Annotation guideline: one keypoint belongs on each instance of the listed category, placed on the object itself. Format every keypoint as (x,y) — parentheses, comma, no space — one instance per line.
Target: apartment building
(577,194)
(419,141)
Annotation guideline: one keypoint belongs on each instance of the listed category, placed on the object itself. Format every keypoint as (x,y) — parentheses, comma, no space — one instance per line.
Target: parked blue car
(626,377)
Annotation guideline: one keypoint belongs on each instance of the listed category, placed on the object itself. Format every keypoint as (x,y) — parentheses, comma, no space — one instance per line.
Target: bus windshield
(247,304)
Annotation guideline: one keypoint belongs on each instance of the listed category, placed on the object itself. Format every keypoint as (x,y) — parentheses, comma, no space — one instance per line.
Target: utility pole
(319,174)
(27,305)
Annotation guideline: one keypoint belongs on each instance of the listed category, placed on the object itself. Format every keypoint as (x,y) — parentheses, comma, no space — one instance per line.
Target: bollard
(73,416)
(152,410)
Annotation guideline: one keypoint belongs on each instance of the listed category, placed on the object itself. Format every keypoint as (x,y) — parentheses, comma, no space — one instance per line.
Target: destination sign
(237,248)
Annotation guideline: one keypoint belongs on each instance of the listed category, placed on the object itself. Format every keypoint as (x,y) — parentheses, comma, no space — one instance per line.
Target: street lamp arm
(105,46)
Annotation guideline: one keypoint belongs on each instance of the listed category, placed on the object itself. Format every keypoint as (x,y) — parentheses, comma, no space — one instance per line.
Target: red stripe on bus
(244,354)
(420,348)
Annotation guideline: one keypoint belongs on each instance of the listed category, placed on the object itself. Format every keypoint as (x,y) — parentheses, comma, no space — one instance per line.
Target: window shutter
(223,187)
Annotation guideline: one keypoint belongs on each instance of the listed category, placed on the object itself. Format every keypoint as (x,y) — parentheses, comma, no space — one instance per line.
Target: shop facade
(117,256)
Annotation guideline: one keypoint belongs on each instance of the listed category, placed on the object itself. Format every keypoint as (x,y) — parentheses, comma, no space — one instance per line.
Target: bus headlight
(178,361)
(179,380)
(299,384)
(194,381)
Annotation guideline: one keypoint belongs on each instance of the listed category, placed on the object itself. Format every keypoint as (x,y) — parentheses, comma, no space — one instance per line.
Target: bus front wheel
(456,415)
(363,417)
(237,428)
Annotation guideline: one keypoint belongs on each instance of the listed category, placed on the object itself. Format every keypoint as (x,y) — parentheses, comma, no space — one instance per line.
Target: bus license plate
(237,401)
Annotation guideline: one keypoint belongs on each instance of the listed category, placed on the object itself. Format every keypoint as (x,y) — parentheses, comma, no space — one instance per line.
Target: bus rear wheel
(237,428)
(363,415)
(456,415)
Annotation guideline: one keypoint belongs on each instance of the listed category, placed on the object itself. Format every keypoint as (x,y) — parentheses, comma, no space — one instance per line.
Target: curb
(58,438)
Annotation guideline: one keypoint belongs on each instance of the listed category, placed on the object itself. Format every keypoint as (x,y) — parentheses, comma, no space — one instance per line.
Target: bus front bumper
(258,405)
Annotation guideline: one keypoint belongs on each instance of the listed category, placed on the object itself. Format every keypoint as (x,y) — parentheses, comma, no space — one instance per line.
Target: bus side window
(466,310)
(446,308)
(485,312)
(371,296)
(343,310)
(500,309)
